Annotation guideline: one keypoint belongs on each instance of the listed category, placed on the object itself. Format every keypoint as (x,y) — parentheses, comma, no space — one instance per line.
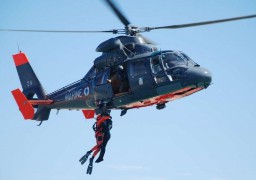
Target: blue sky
(207,136)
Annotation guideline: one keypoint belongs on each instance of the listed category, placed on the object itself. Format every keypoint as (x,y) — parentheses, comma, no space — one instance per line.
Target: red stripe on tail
(20,59)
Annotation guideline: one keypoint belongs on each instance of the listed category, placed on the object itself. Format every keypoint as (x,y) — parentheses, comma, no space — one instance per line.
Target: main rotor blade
(118,12)
(54,31)
(201,23)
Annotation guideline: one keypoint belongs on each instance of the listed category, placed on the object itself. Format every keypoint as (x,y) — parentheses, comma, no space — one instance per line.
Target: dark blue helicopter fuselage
(151,77)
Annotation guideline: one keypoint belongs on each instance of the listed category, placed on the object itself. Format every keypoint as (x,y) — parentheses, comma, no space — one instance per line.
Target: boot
(85,157)
(89,169)
(100,158)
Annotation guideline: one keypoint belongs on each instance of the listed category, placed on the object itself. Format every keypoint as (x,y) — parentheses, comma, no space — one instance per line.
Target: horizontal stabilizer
(89,114)
(25,107)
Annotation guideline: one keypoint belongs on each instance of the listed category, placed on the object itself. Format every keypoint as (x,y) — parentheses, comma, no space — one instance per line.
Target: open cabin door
(119,80)
(103,89)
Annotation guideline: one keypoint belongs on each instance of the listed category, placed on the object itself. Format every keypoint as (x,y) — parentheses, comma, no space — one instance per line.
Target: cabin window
(138,68)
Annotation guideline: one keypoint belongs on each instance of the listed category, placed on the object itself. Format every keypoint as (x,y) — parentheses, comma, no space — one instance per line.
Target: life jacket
(103,124)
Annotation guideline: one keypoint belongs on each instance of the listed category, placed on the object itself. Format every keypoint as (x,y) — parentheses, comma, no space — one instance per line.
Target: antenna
(19,51)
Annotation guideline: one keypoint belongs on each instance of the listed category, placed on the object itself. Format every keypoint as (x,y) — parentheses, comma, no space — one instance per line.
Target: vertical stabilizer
(29,81)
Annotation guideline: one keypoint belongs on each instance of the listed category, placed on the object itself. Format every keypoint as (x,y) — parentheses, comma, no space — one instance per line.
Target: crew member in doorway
(123,80)
(102,128)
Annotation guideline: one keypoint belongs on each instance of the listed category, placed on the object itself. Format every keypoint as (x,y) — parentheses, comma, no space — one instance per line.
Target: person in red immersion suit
(102,129)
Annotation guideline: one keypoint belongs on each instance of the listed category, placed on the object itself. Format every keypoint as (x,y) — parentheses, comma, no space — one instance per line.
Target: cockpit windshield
(183,55)
(171,60)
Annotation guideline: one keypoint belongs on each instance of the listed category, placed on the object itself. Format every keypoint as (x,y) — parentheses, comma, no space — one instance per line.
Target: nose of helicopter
(199,76)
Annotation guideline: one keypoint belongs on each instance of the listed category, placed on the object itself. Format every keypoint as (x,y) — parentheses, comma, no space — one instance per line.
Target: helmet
(120,67)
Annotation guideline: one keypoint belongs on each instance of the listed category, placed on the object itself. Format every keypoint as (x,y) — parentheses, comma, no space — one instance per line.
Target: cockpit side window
(171,60)
(156,64)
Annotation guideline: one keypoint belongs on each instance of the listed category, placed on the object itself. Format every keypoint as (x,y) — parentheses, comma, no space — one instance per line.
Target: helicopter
(130,73)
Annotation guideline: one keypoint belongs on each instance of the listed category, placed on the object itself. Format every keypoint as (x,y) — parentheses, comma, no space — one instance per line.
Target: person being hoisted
(102,128)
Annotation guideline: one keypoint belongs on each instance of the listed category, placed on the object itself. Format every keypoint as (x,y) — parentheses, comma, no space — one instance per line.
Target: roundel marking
(86,91)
